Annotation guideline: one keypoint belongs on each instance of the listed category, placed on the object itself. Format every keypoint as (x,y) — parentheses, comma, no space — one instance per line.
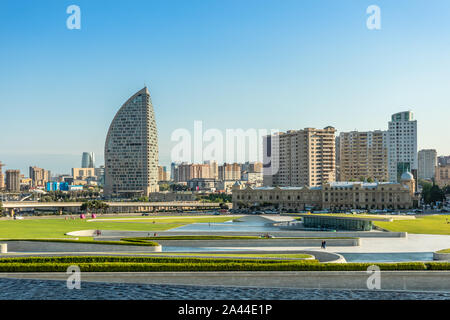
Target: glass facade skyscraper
(88,160)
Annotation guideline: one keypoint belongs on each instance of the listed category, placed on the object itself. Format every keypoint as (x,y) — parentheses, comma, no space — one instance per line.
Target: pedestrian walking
(324,244)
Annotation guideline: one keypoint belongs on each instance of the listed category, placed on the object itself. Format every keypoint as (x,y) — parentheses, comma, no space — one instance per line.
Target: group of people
(324,244)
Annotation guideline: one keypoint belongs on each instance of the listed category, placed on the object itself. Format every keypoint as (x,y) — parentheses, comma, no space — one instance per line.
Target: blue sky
(232,64)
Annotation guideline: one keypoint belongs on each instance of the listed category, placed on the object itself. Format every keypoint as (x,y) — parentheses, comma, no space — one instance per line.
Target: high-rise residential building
(442,175)
(337,162)
(163,174)
(253,167)
(131,149)
(174,171)
(39,177)
(300,157)
(230,171)
(213,169)
(443,160)
(13,180)
(189,171)
(88,160)
(402,145)
(2,177)
(363,156)
(427,163)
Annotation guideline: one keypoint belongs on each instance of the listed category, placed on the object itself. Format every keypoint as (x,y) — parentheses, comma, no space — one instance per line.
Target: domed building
(131,149)
(407,180)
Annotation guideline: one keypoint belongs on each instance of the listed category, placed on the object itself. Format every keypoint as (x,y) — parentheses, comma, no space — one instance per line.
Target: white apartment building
(402,145)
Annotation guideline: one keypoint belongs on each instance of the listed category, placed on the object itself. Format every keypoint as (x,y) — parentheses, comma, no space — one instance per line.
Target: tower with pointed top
(131,149)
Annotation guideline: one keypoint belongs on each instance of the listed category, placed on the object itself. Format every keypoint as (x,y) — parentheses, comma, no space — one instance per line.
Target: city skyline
(366,76)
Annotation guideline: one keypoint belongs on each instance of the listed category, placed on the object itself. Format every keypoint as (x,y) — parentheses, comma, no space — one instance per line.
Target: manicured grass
(433,224)
(444,251)
(170,264)
(57,227)
(121,242)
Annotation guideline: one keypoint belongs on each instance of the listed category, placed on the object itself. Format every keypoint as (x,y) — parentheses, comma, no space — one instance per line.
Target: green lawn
(433,224)
(56,227)
(444,251)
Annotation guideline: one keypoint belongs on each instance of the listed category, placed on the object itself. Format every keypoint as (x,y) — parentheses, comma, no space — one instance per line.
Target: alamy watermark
(74,280)
(373,22)
(74,20)
(374,280)
(229,146)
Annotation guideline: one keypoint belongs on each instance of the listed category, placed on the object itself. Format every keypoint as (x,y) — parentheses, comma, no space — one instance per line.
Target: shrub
(133,259)
(174,264)
(438,265)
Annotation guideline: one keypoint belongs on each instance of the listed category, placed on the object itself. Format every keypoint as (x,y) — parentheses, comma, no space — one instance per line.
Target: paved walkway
(390,280)
(143,218)
(412,243)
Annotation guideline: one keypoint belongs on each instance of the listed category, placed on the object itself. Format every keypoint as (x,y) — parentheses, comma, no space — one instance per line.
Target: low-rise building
(75,188)
(225,185)
(202,184)
(83,173)
(57,186)
(172,196)
(442,175)
(332,196)
(254,179)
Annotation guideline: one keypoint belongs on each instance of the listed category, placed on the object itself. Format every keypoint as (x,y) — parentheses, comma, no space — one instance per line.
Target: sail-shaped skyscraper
(131,149)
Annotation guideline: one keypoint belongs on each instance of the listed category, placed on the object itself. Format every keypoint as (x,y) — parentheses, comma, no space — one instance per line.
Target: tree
(436,194)
(164,187)
(446,189)
(84,206)
(223,206)
(431,193)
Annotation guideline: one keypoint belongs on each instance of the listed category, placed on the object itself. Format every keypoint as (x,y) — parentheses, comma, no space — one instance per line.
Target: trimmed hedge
(438,265)
(133,259)
(196,267)
(121,242)
(174,264)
